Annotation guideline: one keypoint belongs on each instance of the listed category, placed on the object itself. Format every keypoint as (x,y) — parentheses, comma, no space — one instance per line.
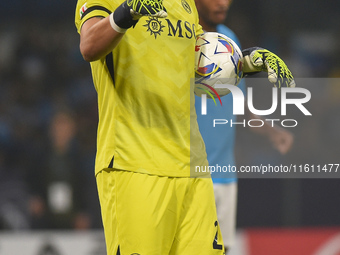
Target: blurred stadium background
(48,118)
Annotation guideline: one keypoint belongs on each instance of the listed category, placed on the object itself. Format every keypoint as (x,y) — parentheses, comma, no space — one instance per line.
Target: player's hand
(153,8)
(258,59)
(281,139)
(130,11)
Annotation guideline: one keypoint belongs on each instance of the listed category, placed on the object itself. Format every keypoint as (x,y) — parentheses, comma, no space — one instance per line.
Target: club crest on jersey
(82,10)
(154,25)
(186,6)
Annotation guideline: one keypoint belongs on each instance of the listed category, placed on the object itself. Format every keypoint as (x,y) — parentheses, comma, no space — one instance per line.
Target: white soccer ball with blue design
(218,60)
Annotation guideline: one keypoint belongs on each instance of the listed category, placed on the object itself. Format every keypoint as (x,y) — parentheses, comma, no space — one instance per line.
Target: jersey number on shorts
(217,246)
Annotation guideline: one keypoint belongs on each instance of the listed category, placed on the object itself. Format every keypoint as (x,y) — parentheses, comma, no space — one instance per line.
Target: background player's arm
(280,138)
(97,38)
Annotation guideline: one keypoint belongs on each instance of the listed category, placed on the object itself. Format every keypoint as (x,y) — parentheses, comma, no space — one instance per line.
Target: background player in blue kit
(219,141)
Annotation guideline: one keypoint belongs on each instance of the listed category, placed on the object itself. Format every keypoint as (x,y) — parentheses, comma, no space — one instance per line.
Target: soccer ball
(218,60)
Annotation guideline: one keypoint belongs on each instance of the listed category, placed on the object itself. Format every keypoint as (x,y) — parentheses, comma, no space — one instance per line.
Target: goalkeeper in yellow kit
(148,142)
(142,60)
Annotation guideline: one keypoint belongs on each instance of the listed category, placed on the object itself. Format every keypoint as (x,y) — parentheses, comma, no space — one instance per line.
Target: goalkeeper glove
(130,11)
(258,59)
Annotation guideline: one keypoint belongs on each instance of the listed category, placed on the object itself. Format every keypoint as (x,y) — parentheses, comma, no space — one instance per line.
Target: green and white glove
(130,11)
(153,8)
(257,59)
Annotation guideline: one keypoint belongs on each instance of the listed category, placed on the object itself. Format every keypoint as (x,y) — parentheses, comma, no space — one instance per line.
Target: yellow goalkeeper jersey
(147,119)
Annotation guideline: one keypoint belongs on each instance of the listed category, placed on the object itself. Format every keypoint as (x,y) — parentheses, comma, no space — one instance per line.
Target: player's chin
(218,17)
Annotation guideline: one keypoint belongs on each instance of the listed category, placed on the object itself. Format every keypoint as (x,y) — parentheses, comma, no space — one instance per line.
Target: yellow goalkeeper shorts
(154,215)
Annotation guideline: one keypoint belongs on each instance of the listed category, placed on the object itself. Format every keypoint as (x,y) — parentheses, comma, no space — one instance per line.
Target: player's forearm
(97,38)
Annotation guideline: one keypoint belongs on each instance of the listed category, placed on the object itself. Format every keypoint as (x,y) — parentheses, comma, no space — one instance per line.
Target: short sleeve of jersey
(199,29)
(87,9)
